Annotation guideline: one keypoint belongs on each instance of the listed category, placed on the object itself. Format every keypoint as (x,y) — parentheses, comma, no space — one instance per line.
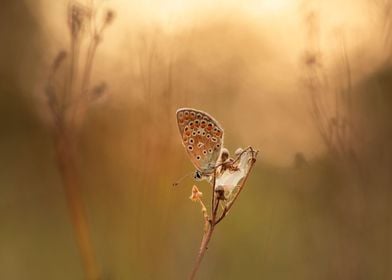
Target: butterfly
(202,137)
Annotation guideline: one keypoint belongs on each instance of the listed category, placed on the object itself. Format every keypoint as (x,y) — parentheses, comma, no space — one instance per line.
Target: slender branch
(213,191)
(71,183)
(215,211)
(238,156)
(203,248)
(96,37)
(89,64)
(224,213)
(210,225)
(68,86)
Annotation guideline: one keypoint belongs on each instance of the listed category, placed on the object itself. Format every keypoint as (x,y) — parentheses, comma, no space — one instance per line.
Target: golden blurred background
(308,83)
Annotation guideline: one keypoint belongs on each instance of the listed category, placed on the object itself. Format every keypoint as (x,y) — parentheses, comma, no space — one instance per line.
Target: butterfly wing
(202,137)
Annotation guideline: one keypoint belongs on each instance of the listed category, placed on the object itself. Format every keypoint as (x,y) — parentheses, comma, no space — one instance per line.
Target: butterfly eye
(194,133)
(191,124)
(209,126)
(198,132)
(198,175)
(199,116)
(193,115)
(204,152)
(191,141)
(213,139)
(203,133)
(208,136)
(198,157)
(186,114)
(200,144)
(190,148)
(203,124)
(210,151)
(180,115)
(217,145)
(186,128)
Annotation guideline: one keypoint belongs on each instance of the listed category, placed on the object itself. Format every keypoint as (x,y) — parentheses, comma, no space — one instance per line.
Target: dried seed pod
(109,16)
(220,192)
(77,16)
(225,154)
(98,91)
(58,60)
(238,151)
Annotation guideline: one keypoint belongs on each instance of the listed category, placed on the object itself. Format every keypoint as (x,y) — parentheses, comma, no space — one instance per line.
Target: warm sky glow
(272,6)
(194,26)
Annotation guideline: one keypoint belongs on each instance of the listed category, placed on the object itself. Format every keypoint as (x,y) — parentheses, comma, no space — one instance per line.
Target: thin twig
(210,225)
(71,181)
(203,248)
(213,191)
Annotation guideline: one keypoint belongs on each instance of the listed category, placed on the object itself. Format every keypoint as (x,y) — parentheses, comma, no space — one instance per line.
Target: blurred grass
(289,223)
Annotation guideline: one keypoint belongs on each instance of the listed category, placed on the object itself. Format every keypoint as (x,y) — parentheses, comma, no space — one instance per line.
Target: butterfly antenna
(176,183)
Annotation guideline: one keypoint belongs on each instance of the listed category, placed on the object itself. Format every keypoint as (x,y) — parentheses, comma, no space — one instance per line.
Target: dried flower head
(98,91)
(109,16)
(77,15)
(220,192)
(312,59)
(97,38)
(196,194)
(58,60)
(225,154)
(231,176)
(238,151)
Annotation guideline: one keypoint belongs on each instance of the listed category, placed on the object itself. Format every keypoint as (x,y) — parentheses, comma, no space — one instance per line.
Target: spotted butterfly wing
(202,137)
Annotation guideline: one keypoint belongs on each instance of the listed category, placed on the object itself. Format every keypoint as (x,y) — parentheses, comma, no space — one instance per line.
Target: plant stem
(71,184)
(210,225)
(208,233)
(203,248)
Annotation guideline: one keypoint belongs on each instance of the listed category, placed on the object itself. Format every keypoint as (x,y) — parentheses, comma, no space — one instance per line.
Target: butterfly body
(202,137)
